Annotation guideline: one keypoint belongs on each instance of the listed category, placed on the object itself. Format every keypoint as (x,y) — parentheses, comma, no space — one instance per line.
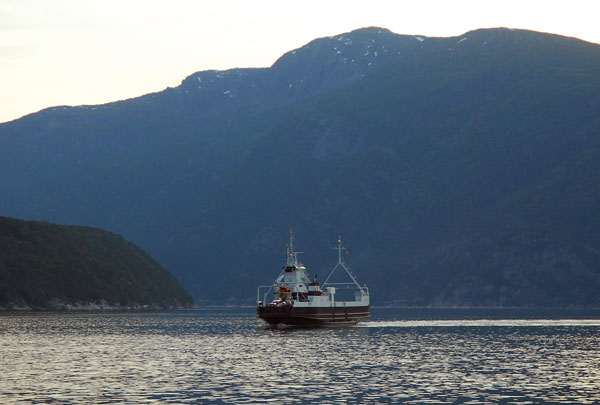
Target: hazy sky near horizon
(73,52)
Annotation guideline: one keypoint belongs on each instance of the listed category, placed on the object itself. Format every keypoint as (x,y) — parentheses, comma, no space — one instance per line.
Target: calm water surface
(229,356)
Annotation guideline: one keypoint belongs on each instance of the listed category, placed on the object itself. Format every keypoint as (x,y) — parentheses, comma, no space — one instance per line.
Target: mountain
(459,171)
(47,266)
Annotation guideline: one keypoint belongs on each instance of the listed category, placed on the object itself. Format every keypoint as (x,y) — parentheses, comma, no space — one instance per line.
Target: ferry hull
(313,316)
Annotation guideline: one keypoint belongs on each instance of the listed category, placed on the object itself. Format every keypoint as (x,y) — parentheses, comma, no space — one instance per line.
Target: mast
(292,255)
(341,263)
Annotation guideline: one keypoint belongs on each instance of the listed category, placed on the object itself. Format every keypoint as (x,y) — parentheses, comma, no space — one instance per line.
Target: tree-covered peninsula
(48,266)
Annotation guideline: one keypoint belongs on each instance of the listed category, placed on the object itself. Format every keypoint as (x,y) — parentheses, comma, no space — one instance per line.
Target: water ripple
(228,356)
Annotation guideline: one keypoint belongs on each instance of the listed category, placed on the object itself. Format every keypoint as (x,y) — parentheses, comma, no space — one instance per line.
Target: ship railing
(266,289)
(347,286)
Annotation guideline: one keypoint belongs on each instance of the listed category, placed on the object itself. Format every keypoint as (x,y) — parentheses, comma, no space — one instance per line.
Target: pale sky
(73,52)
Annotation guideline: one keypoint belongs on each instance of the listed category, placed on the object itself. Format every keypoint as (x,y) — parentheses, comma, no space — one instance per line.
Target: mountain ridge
(440,155)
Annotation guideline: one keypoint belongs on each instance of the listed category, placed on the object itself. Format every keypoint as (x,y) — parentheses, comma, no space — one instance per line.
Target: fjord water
(227,355)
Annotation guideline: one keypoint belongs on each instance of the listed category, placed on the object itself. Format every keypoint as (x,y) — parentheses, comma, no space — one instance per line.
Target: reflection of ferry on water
(300,301)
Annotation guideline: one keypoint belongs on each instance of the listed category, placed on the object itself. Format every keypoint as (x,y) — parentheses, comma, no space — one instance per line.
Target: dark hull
(320,316)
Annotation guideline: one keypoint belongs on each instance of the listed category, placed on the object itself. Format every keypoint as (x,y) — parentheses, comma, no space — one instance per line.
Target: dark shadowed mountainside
(459,171)
(47,266)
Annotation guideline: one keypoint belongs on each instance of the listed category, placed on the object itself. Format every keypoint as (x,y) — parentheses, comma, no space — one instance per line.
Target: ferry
(300,301)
